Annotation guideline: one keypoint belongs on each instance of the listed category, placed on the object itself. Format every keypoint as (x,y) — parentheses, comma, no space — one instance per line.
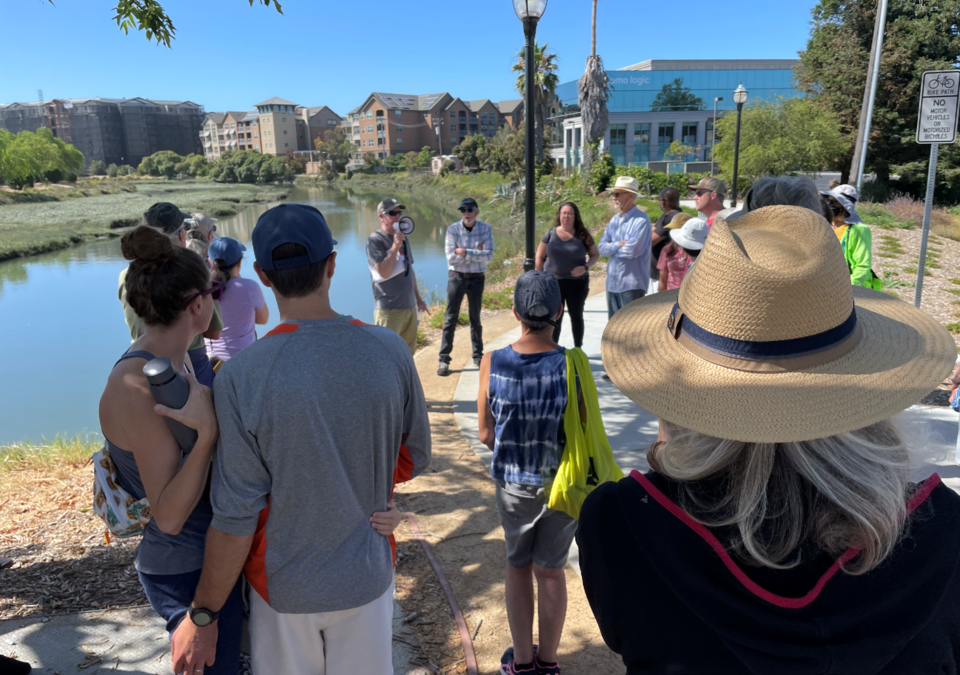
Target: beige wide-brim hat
(627,183)
(767,341)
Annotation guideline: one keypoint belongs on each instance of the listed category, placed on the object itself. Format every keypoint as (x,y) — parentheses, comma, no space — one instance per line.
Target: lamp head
(532,9)
(740,95)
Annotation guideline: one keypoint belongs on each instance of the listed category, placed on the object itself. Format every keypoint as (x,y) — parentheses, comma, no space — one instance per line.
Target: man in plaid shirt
(469,247)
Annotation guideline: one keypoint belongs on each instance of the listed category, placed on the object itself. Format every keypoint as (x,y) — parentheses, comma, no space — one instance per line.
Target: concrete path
(632,429)
(129,641)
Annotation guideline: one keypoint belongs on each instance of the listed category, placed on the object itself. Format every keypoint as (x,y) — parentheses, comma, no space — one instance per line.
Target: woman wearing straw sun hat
(778,531)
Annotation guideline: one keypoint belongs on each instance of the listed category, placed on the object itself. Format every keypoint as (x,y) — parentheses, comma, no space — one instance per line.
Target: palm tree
(545,86)
(592,95)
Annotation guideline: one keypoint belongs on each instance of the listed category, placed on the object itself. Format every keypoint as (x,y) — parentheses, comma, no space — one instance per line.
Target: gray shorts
(534,533)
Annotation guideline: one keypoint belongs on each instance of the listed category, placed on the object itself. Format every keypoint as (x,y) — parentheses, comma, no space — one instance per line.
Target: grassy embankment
(505,217)
(35,222)
(59,451)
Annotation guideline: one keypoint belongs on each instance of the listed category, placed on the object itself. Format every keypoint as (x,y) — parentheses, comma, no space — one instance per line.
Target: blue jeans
(170,596)
(202,369)
(617,301)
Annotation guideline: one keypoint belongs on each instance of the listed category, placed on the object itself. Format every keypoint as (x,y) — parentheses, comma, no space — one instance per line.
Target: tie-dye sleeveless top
(528,393)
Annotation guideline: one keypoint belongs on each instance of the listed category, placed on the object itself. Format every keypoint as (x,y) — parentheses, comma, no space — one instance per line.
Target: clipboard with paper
(399,267)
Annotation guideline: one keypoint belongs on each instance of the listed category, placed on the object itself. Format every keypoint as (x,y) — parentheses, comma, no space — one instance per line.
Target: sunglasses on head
(467,209)
(215,290)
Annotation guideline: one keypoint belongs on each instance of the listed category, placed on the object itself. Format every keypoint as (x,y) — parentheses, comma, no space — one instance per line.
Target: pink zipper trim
(789,603)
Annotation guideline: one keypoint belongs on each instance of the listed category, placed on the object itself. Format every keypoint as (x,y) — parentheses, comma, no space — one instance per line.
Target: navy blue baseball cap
(227,249)
(291,224)
(536,297)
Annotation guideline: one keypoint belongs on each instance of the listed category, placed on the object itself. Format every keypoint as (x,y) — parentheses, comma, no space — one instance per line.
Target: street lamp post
(529,12)
(713,142)
(739,97)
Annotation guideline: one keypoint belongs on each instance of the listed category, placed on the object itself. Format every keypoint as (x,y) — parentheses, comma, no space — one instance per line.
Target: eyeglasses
(617,195)
(394,213)
(216,290)
(700,193)
(467,209)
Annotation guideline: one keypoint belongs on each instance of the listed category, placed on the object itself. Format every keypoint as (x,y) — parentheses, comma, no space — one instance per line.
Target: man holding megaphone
(390,260)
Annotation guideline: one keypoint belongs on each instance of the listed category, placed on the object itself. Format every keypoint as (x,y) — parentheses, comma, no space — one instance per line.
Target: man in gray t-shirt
(390,260)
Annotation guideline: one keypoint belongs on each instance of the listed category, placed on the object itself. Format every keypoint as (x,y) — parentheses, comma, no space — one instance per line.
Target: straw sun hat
(767,341)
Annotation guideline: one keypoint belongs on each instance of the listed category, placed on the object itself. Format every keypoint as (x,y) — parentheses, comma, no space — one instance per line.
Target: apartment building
(115,131)
(278,126)
(312,123)
(232,130)
(387,124)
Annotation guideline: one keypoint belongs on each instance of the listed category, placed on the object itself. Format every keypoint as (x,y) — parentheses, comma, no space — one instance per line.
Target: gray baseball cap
(536,297)
(389,205)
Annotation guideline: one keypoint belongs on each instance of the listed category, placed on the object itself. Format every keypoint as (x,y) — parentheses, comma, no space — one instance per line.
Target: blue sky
(229,56)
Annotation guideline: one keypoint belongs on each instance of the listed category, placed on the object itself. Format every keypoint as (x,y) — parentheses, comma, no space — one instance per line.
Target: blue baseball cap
(536,297)
(291,224)
(227,249)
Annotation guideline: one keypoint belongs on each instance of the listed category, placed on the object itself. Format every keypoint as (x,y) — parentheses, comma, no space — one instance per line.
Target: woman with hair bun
(171,291)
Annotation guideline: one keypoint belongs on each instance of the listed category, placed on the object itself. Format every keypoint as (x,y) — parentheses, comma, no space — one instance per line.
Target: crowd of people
(769,531)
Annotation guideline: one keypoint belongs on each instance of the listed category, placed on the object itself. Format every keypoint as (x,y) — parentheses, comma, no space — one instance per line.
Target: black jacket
(668,602)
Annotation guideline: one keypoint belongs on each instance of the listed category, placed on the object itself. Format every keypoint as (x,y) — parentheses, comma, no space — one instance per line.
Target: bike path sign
(939,97)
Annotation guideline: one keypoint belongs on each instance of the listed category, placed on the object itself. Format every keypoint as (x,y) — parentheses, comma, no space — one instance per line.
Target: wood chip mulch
(61,561)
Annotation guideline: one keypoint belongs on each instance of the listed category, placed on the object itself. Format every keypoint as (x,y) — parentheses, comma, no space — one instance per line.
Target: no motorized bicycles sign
(939,97)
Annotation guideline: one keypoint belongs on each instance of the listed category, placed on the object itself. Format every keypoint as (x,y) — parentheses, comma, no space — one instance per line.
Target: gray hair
(848,490)
(784,190)
(197,243)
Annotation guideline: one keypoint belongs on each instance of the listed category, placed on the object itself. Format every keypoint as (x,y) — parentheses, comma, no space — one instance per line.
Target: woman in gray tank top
(567,251)
(170,289)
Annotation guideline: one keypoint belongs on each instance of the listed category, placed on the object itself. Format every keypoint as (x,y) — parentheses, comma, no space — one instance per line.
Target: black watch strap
(201,616)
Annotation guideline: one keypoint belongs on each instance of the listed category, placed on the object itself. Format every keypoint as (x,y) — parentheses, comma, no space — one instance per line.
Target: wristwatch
(201,616)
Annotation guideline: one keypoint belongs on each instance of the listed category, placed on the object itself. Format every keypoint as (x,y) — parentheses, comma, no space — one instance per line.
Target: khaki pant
(403,322)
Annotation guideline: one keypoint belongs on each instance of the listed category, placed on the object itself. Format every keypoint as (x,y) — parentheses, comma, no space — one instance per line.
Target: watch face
(201,617)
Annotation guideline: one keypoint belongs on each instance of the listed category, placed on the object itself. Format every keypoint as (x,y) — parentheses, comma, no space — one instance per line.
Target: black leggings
(573,294)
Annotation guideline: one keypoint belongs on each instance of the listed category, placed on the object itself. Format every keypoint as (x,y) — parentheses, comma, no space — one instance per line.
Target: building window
(331,123)
(284,132)
(369,114)
(398,113)
(369,128)
(254,134)
(399,142)
(453,115)
(641,142)
(399,128)
(618,143)
(453,127)
(689,135)
(283,119)
(664,138)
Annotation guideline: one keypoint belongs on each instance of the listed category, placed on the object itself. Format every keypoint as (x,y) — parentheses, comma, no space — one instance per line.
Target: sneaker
(508,665)
(546,669)
(443,369)
(476,360)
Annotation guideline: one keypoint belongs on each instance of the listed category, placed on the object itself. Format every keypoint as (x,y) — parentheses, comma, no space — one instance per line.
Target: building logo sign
(635,80)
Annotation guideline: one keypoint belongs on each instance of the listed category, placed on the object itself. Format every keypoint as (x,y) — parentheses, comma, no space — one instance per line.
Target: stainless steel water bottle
(171,389)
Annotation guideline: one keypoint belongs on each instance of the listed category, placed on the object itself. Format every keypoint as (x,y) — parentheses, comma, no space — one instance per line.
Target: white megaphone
(404,225)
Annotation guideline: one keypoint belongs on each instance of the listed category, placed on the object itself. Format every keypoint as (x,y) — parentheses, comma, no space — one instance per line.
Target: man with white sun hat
(626,242)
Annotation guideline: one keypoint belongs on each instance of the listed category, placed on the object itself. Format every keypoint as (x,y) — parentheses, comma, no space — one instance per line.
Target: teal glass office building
(654,103)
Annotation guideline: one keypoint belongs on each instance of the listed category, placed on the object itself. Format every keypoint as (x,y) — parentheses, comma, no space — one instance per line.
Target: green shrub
(98,168)
(495,300)
(601,173)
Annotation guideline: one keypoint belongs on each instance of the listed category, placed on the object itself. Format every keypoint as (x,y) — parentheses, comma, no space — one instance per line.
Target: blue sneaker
(509,667)
(546,669)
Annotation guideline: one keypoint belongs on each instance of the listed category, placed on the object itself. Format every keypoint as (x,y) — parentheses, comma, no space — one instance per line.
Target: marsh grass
(31,228)
(61,450)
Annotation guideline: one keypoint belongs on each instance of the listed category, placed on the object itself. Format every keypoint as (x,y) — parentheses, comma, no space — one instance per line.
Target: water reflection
(62,326)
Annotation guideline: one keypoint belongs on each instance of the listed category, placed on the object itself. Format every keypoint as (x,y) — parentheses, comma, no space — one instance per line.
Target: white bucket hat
(846,201)
(692,234)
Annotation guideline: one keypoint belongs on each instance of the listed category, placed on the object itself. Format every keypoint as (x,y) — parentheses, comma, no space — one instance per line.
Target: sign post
(936,124)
